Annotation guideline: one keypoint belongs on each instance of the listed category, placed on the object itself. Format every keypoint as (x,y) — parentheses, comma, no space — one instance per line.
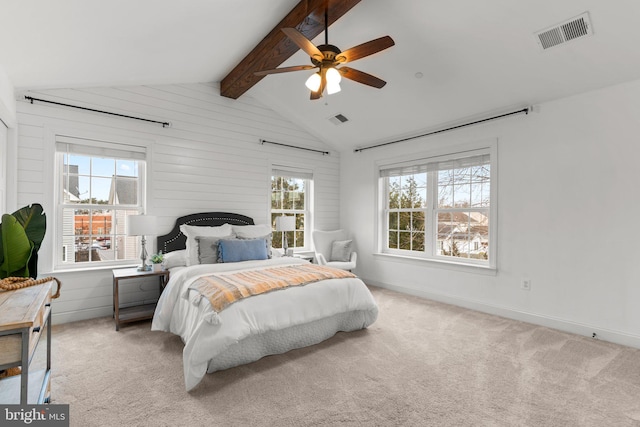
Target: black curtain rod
(262,142)
(164,124)
(524,110)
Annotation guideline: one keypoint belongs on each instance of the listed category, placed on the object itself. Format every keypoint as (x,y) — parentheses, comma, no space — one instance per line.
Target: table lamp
(285,223)
(141,225)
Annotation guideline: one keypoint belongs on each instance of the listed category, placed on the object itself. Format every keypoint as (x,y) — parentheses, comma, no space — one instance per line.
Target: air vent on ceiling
(567,31)
(338,119)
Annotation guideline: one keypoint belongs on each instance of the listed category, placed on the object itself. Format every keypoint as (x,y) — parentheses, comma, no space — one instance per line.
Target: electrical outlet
(526,284)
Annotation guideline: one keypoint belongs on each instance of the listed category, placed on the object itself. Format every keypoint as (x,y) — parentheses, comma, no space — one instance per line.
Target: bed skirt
(255,347)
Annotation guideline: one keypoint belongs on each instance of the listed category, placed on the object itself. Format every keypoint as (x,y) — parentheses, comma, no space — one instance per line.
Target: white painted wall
(7,143)
(7,100)
(567,209)
(209,159)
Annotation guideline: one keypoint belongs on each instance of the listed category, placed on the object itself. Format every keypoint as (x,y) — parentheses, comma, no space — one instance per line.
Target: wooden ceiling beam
(308,17)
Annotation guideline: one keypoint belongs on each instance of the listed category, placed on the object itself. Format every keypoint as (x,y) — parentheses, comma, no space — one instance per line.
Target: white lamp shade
(141,225)
(333,76)
(313,82)
(333,88)
(285,223)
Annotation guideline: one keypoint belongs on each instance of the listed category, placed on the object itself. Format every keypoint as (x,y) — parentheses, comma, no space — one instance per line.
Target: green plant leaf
(16,246)
(34,222)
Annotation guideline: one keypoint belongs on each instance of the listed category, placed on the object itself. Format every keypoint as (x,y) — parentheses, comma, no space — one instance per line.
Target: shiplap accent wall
(209,159)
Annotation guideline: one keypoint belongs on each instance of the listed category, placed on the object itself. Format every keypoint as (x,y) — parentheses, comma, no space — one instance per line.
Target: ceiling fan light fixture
(333,76)
(313,82)
(333,88)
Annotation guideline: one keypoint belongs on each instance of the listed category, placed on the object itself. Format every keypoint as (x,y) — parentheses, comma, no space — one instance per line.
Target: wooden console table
(24,315)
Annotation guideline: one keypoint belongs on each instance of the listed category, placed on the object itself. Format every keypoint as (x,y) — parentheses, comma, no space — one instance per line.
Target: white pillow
(192,232)
(341,250)
(260,231)
(175,259)
(251,231)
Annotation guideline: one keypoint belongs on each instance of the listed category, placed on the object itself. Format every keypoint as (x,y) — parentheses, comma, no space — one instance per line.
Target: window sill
(450,265)
(80,269)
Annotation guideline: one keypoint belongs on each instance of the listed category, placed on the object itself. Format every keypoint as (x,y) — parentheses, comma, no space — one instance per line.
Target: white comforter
(273,311)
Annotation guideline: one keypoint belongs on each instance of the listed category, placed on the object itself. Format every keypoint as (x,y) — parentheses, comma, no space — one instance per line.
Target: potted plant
(156,260)
(21,234)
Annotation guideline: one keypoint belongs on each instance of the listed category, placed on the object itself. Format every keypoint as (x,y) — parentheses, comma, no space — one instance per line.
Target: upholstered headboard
(175,240)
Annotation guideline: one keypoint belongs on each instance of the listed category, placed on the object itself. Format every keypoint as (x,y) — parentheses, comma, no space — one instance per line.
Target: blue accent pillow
(242,250)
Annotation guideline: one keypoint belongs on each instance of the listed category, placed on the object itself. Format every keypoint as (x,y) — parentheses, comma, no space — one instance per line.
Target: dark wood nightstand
(138,312)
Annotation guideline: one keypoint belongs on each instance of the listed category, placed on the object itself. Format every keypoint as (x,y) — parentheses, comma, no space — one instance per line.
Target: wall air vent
(338,119)
(567,31)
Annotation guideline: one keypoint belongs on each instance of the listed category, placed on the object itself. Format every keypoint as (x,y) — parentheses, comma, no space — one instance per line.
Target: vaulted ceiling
(453,60)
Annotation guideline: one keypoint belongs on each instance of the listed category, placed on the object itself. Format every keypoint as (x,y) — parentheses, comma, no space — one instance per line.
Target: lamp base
(144,268)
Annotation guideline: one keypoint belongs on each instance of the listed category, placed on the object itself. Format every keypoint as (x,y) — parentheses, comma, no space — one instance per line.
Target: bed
(248,329)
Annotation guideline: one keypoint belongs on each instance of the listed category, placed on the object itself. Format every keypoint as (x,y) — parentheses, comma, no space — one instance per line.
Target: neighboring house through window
(440,208)
(291,195)
(99,184)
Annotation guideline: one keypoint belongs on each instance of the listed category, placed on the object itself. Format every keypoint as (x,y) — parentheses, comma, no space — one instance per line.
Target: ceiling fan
(327,58)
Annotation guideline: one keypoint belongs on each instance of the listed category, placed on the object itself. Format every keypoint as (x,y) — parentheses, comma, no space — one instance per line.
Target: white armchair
(343,257)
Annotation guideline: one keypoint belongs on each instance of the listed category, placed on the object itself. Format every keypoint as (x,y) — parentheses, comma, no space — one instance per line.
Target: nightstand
(305,257)
(138,312)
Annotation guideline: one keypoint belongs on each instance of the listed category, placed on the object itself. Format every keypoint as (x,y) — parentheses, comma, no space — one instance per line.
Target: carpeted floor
(421,364)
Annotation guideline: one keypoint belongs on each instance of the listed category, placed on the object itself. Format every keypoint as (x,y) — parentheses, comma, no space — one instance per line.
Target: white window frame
(429,254)
(307,176)
(96,148)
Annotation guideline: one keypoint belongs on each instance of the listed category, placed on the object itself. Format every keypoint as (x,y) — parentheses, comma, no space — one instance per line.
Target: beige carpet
(421,364)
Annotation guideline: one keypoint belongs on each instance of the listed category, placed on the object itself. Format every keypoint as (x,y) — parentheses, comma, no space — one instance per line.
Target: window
(290,195)
(439,208)
(98,185)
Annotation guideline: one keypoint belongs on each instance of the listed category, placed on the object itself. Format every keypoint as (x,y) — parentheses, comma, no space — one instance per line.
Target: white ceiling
(476,57)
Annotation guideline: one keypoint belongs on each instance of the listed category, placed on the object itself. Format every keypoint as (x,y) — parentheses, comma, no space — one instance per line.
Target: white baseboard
(74,316)
(536,319)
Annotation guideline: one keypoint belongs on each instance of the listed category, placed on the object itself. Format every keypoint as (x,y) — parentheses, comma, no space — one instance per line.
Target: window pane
(446,228)
(81,191)
(417,221)
(394,192)
(100,190)
(445,196)
(420,200)
(127,168)
(408,194)
(296,198)
(404,222)
(79,164)
(479,235)
(417,241)
(122,191)
(461,196)
(404,240)
(393,220)
(103,167)
(393,240)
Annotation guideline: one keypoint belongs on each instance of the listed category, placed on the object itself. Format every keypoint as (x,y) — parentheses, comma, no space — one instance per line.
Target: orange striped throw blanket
(223,289)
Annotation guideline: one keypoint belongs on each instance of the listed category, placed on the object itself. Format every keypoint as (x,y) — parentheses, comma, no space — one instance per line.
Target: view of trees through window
(288,197)
(97,194)
(459,198)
